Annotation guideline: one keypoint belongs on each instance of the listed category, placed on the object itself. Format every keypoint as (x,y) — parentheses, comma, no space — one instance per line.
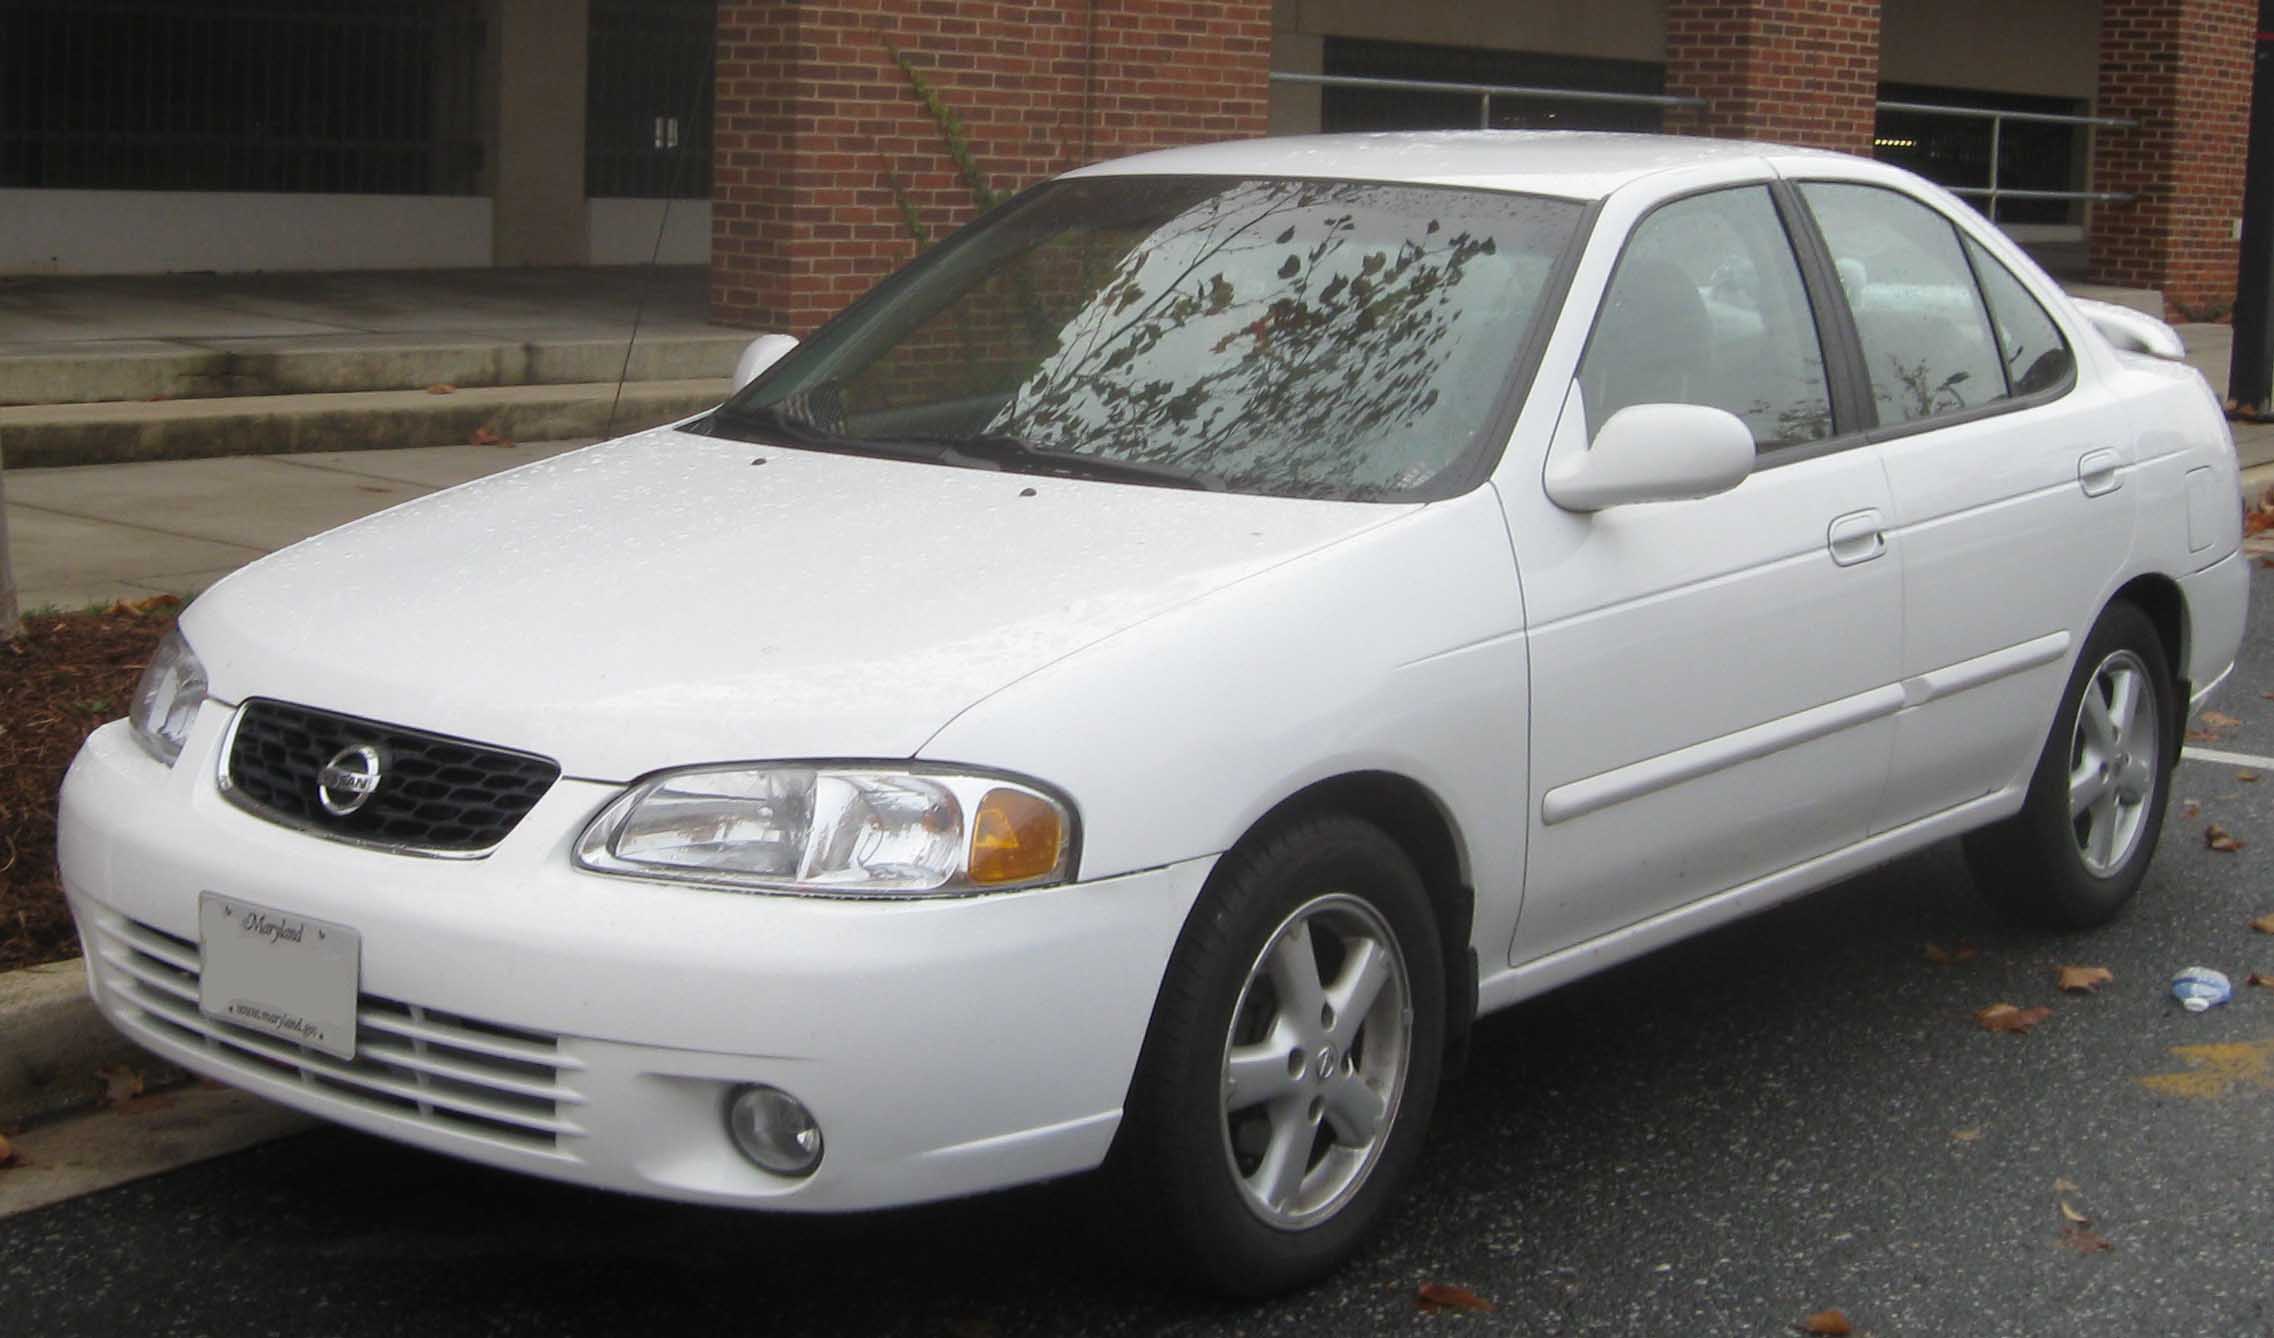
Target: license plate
(286,975)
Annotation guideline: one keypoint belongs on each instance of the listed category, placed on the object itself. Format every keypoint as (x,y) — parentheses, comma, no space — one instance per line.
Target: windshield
(1297,338)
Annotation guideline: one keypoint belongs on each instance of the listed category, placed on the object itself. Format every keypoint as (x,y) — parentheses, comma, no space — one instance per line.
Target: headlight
(829,830)
(166,700)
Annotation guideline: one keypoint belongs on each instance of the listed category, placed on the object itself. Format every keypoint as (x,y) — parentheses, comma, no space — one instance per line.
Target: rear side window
(1706,307)
(2036,357)
(1927,341)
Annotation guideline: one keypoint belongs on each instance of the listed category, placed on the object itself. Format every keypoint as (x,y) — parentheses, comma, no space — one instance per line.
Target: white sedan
(1131,690)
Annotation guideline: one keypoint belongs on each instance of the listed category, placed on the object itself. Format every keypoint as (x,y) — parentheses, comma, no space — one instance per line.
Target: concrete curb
(46,435)
(163,369)
(52,1042)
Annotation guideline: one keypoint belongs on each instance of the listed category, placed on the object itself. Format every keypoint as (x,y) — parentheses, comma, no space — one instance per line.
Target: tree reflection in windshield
(1300,338)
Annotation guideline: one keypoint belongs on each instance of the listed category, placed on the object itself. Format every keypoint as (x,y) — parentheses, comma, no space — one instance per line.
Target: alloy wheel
(2113,756)
(1315,1061)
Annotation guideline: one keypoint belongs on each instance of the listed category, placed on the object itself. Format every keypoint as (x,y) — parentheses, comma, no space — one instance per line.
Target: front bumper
(519,1012)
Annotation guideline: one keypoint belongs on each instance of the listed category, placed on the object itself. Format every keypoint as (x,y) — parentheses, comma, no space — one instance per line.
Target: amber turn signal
(1015,837)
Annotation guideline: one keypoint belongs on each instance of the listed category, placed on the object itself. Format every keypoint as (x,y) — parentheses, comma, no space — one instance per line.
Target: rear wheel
(2079,848)
(1293,1061)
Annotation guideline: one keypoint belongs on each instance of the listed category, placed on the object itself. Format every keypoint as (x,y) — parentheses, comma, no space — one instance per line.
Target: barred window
(356,96)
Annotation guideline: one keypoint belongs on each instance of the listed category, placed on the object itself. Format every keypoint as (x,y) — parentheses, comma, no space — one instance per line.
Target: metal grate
(647,98)
(357,96)
(435,794)
(503,1084)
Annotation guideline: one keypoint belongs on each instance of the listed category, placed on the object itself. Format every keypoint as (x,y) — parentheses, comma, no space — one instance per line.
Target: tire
(1263,1142)
(2052,864)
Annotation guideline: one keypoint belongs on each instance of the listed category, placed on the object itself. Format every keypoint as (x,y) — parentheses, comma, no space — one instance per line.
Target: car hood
(666,599)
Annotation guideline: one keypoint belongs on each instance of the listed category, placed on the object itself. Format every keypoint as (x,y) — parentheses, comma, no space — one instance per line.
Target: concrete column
(2179,69)
(1790,71)
(1297,109)
(537,206)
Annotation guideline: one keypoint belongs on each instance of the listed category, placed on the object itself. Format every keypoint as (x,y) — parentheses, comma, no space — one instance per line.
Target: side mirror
(1655,453)
(764,352)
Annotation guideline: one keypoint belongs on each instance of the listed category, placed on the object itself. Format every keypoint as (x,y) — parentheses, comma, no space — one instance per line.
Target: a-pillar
(1788,71)
(849,133)
(2180,71)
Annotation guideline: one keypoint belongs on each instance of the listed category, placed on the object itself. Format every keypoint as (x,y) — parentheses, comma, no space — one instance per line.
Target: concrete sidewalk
(96,533)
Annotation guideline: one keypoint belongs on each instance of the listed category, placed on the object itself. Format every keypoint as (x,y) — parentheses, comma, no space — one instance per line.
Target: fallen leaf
(1961,951)
(2218,720)
(1435,1297)
(2065,1185)
(1966,1135)
(2268,564)
(2265,982)
(2247,777)
(2006,1017)
(2084,979)
(7,1153)
(2072,1215)
(2083,1241)
(2218,838)
(2190,809)
(2264,924)
(2193,735)
(1825,1322)
(441,388)
(120,1083)
(143,1105)
(485,435)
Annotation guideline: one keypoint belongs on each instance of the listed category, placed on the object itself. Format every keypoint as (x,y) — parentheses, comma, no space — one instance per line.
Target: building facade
(803,147)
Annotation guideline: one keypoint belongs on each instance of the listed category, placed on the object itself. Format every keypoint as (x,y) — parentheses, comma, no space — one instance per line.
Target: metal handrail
(2000,114)
(1487,92)
(1997,119)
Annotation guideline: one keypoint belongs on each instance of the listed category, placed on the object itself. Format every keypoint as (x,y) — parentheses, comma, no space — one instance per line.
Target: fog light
(774,1130)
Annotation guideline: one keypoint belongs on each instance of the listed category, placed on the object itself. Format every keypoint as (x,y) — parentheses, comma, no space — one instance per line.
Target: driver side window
(1707,307)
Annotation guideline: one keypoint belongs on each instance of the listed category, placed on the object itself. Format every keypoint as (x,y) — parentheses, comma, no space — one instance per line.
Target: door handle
(2100,472)
(1858,536)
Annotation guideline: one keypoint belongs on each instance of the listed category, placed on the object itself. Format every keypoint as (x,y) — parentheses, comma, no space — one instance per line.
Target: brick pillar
(2181,70)
(829,165)
(1789,71)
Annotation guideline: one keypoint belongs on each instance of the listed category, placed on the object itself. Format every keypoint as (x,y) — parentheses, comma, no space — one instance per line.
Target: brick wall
(2181,70)
(822,146)
(1789,71)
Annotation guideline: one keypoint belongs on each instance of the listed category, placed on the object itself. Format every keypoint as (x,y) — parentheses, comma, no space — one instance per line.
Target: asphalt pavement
(1793,1113)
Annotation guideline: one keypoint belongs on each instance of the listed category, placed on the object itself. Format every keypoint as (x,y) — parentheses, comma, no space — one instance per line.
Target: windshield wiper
(766,424)
(1001,450)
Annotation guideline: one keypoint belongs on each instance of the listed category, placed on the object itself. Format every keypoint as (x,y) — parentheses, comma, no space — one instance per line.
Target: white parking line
(2226,758)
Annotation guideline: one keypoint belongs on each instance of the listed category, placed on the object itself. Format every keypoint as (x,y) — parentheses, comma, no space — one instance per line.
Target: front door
(1712,680)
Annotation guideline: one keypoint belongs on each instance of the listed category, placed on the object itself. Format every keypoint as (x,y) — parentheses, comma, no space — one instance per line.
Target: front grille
(435,794)
(503,1084)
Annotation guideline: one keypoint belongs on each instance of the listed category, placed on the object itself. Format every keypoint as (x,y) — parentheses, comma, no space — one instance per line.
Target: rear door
(2008,476)
(1712,693)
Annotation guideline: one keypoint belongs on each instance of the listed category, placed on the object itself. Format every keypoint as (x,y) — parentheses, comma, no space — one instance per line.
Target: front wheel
(1293,1061)
(2079,848)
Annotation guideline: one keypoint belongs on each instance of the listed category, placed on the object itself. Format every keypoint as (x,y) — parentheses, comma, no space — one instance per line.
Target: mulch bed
(68,673)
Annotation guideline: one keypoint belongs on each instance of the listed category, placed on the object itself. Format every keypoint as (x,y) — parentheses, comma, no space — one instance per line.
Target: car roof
(1573,164)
